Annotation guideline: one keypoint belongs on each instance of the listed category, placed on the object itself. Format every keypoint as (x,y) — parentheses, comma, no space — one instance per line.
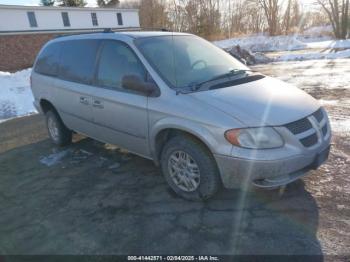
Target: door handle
(97,104)
(84,100)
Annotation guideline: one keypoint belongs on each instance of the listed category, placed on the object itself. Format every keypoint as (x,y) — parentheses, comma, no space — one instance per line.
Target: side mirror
(136,83)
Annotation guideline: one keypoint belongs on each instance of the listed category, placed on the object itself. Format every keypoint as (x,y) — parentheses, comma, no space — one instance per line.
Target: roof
(25,7)
(131,34)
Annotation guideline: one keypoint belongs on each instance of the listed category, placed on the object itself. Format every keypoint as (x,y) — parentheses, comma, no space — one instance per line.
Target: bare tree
(214,19)
(153,14)
(272,13)
(338,15)
(293,18)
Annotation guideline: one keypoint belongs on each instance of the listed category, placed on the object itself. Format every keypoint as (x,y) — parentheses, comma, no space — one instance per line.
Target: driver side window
(116,61)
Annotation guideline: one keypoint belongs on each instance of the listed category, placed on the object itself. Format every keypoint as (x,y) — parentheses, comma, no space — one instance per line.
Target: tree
(47,2)
(272,13)
(153,14)
(293,17)
(76,3)
(108,3)
(338,14)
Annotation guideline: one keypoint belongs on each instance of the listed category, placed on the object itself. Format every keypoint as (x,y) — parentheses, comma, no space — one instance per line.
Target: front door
(120,115)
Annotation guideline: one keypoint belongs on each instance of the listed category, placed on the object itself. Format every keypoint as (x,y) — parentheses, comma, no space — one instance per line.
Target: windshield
(186,60)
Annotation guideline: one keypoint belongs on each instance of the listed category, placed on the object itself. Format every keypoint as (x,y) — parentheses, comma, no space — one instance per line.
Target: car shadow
(98,199)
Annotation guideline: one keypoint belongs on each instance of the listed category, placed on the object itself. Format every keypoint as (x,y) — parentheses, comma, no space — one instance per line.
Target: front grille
(318,115)
(324,130)
(309,140)
(299,126)
(304,124)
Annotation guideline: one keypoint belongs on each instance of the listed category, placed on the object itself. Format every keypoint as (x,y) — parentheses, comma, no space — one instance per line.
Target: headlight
(254,138)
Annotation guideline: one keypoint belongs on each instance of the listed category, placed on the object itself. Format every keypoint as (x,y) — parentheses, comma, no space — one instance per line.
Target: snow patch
(262,43)
(341,126)
(318,30)
(328,102)
(318,46)
(329,44)
(16,98)
(313,56)
(54,158)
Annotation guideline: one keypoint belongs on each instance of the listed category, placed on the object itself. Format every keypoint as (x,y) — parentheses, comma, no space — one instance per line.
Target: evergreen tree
(47,2)
(108,3)
(76,3)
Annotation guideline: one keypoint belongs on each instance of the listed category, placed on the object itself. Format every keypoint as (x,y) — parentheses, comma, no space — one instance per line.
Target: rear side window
(48,60)
(78,60)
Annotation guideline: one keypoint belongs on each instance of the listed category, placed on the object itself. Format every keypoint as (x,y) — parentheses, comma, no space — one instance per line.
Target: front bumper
(236,172)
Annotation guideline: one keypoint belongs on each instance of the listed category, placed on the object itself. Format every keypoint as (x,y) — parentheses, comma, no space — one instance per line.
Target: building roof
(25,7)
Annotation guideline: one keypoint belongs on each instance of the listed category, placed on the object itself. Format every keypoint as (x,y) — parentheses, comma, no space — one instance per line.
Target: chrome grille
(304,125)
(299,126)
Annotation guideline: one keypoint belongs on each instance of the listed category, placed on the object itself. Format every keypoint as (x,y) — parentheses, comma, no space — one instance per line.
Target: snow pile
(327,48)
(262,43)
(340,44)
(318,30)
(16,98)
(314,55)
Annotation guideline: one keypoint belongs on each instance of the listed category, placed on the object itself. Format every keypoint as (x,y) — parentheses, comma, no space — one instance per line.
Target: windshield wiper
(234,72)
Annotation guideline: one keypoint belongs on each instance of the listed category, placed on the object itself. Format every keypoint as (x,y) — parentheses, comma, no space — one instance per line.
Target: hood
(267,101)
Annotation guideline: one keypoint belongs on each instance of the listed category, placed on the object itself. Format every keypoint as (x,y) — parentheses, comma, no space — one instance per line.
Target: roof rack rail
(107,30)
(111,30)
(155,29)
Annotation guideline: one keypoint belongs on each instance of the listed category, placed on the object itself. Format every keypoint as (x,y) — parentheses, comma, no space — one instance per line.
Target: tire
(209,181)
(58,132)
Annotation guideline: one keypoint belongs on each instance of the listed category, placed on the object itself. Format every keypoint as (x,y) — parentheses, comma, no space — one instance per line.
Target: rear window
(78,60)
(48,60)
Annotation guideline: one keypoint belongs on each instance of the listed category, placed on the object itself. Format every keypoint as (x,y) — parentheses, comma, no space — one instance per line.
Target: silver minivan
(198,113)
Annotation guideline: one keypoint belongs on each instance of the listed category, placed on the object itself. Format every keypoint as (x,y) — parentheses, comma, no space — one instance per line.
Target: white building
(25,29)
(36,19)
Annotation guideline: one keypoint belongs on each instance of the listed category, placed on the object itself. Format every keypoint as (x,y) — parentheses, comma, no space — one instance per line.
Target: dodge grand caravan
(202,116)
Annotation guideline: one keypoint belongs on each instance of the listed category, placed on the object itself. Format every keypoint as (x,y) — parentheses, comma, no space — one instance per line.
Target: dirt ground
(92,198)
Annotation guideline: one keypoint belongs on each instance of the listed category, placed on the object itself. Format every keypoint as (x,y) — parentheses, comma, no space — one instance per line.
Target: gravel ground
(92,198)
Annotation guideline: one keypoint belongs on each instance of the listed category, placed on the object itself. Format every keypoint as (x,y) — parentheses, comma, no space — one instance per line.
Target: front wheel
(58,132)
(190,168)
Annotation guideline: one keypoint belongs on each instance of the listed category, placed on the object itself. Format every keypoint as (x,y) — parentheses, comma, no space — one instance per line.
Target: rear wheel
(58,132)
(190,168)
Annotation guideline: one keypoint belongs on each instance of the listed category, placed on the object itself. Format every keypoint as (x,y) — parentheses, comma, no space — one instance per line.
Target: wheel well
(46,106)
(166,134)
